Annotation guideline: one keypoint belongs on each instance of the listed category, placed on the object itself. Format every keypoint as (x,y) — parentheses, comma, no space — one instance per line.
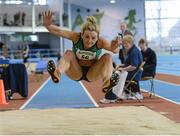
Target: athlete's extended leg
(68,64)
(103,69)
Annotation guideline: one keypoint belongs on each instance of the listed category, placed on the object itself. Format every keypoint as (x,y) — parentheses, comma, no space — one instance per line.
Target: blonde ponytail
(91,19)
(90,25)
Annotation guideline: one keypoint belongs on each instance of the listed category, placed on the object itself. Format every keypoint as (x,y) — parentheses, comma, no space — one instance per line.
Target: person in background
(149,56)
(23,16)
(132,61)
(1,44)
(4,52)
(25,54)
(124,31)
(122,54)
(84,61)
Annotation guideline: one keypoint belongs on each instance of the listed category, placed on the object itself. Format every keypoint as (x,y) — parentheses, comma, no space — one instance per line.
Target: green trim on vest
(92,53)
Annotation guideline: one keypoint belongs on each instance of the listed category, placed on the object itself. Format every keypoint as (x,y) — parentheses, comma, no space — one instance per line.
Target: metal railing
(33,53)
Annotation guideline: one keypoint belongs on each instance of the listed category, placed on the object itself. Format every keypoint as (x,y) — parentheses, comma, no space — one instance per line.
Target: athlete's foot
(109,84)
(53,71)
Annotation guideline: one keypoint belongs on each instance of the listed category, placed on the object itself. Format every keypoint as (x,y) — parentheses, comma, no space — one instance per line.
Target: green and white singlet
(86,54)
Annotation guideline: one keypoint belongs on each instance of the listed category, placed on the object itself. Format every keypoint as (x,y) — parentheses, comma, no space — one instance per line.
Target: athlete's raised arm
(56,30)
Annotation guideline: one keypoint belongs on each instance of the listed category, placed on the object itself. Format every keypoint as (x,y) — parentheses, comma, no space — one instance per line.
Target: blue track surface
(163,89)
(169,64)
(66,94)
(70,94)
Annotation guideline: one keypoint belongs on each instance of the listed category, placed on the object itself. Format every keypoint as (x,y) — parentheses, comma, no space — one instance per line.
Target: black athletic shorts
(85,70)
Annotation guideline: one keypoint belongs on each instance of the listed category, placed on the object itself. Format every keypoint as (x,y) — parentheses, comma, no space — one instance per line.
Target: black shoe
(110,97)
(113,81)
(51,67)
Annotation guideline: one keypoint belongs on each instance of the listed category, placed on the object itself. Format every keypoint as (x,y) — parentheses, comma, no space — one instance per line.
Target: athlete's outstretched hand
(47,18)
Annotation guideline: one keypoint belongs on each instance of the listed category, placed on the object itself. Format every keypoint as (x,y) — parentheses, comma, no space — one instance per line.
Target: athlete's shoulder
(76,37)
(101,41)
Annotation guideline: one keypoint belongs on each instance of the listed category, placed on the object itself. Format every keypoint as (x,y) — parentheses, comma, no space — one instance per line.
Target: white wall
(115,13)
(112,18)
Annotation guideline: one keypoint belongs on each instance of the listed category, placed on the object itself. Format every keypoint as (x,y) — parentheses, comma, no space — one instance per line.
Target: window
(21,38)
(33,38)
(40,2)
(162,22)
(36,2)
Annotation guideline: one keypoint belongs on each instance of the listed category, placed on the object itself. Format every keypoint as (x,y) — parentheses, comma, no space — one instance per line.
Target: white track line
(23,106)
(161,97)
(94,102)
(167,82)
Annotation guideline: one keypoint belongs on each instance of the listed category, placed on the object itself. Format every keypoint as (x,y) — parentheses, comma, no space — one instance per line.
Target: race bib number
(85,55)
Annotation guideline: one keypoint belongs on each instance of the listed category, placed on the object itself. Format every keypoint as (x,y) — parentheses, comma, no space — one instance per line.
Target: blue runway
(71,94)
(169,64)
(66,94)
(166,90)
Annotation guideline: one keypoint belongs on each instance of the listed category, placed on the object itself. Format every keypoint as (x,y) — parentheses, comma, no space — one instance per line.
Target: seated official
(149,56)
(131,63)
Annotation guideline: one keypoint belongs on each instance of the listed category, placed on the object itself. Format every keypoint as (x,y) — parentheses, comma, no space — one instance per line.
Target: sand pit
(116,120)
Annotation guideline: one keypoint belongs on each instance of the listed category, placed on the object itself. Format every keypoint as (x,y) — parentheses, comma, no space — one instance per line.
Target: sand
(121,120)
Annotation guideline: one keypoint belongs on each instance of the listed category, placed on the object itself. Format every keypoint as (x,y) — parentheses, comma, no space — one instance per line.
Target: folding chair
(151,79)
(131,81)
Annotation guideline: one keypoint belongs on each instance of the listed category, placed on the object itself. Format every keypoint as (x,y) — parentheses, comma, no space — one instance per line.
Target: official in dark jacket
(149,56)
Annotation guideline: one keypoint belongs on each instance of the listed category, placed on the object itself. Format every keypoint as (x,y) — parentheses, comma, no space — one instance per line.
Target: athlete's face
(89,38)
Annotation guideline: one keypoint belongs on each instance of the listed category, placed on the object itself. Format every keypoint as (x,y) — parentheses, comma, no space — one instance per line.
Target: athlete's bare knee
(69,54)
